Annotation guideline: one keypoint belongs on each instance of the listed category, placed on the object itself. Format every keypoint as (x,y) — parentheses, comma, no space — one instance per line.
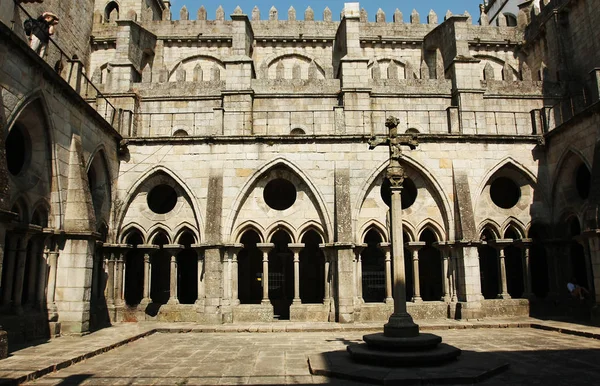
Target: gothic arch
(42,209)
(133,190)
(373,224)
(311,226)
(513,223)
(326,71)
(21,208)
(281,226)
(42,113)
(433,226)
(567,155)
(501,62)
(100,181)
(130,230)
(507,161)
(437,191)
(249,226)
(490,225)
(182,229)
(279,162)
(188,59)
(156,230)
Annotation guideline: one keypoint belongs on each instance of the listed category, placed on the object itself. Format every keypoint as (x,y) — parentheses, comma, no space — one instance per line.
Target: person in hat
(41,32)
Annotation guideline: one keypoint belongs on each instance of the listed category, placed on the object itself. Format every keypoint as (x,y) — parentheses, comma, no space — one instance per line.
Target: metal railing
(84,86)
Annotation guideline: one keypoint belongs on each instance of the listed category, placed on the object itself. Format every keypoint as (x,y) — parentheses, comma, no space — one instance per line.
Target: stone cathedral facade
(218,171)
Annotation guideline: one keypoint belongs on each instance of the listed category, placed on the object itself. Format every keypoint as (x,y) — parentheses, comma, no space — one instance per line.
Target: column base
(401,326)
(469,310)
(446,298)
(389,301)
(296,302)
(265,302)
(173,301)
(503,296)
(417,299)
(145,301)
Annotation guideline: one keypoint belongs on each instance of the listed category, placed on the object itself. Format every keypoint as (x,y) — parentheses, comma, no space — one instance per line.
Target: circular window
(583,181)
(280,194)
(162,199)
(409,193)
(17,148)
(505,192)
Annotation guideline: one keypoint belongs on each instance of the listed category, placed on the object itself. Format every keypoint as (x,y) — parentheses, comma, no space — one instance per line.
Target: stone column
(34,262)
(444,249)
(20,274)
(233,250)
(110,285)
(173,250)
(51,294)
(97,271)
(387,249)
(525,246)
(265,248)
(453,273)
(329,298)
(358,287)
(296,248)
(120,264)
(500,244)
(40,298)
(148,250)
(414,247)
(11,260)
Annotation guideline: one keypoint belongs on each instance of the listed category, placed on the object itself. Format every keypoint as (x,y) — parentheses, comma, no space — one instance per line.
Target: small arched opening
(134,273)
(161,270)
(312,269)
(430,268)
(373,268)
(514,265)
(488,266)
(111,12)
(281,275)
(187,270)
(250,269)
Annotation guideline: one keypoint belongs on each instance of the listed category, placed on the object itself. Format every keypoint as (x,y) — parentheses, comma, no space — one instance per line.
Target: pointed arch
(279,162)
(311,226)
(100,183)
(249,226)
(21,208)
(41,214)
(157,230)
(281,226)
(569,153)
(183,228)
(506,162)
(433,226)
(373,224)
(490,225)
(513,223)
(326,71)
(131,230)
(133,190)
(410,231)
(188,59)
(437,191)
(37,95)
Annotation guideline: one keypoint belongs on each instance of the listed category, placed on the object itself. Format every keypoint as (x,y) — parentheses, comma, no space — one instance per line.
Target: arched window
(373,269)
(187,268)
(111,12)
(281,275)
(134,274)
(250,269)
(312,269)
(488,266)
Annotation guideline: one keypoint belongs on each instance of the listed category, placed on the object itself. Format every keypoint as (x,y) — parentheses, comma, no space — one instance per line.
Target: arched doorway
(430,268)
(373,269)
(488,266)
(250,269)
(134,273)
(161,271)
(312,269)
(281,275)
(514,266)
(187,270)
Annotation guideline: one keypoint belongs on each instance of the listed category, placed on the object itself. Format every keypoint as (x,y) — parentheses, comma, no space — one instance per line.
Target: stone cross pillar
(358,279)
(148,250)
(265,248)
(445,250)
(400,324)
(525,246)
(414,247)
(500,244)
(387,249)
(233,250)
(11,259)
(173,250)
(20,274)
(296,248)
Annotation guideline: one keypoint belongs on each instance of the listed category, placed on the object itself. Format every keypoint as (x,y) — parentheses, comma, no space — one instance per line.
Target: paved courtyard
(535,356)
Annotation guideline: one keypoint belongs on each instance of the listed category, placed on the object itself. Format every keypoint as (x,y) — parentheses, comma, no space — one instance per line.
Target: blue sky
(336,6)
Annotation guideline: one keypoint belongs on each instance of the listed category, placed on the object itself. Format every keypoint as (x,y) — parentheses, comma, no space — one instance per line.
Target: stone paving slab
(46,357)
